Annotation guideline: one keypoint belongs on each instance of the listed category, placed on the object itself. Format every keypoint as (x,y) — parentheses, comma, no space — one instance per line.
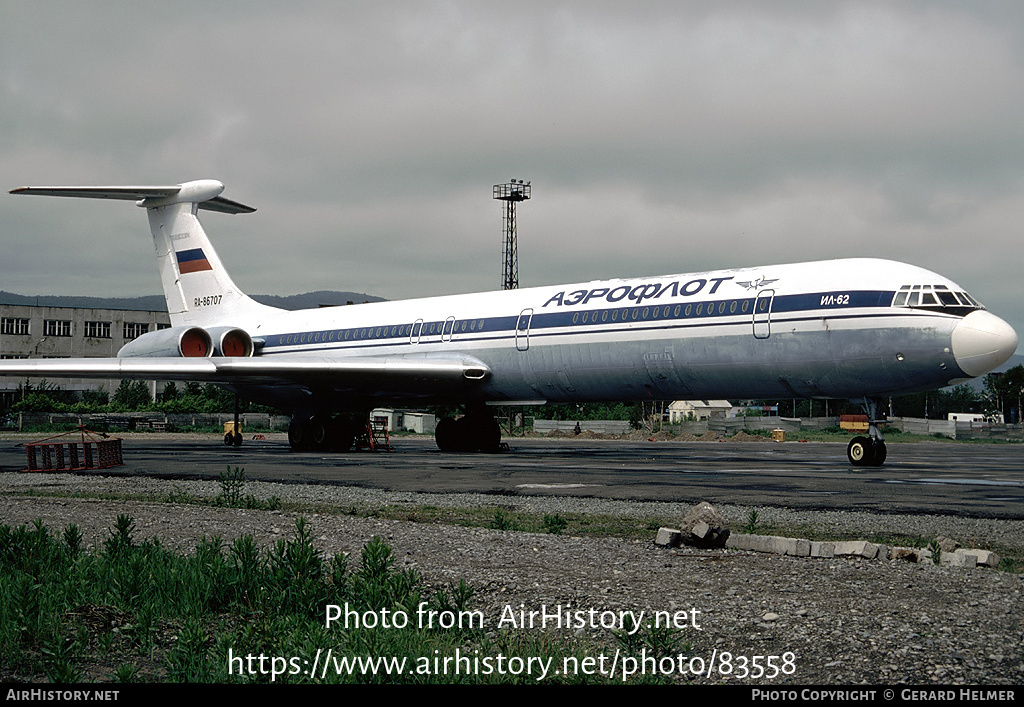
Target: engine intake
(231,341)
(189,342)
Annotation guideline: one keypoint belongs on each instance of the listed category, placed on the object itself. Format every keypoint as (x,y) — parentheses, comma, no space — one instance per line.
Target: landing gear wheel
(322,433)
(342,432)
(860,451)
(446,435)
(484,433)
(298,435)
(878,454)
(472,433)
(318,429)
(864,451)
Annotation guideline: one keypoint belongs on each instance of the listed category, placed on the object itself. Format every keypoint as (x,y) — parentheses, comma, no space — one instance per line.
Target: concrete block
(985,558)
(857,548)
(958,558)
(774,544)
(798,547)
(668,537)
(823,549)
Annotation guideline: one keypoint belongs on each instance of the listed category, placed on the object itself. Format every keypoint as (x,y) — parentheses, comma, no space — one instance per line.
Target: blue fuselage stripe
(572,321)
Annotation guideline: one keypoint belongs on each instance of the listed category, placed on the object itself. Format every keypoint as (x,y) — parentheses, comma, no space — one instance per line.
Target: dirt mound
(743,436)
(590,434)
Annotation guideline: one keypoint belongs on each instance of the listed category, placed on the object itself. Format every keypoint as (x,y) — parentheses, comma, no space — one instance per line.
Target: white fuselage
(820,329)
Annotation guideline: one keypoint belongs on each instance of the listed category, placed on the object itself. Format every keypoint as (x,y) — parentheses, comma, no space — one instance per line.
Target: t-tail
(198,290)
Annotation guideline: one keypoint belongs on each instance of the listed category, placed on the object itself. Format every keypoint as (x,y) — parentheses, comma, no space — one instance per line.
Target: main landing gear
(477,431)
(870,450)
(323,433)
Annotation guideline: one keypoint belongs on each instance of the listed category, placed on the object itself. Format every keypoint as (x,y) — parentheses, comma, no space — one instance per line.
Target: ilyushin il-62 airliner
(856,329)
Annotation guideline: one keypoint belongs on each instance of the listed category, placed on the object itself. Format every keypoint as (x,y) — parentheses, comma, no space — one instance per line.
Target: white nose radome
(982,341)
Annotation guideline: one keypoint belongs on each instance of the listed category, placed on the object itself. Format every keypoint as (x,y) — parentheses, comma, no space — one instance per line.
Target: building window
(13,325)
(56,327)
(97,330)
(160,326)
(133,330)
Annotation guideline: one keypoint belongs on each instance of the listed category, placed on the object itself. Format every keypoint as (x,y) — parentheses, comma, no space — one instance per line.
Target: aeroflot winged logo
(755,284)
(193,260)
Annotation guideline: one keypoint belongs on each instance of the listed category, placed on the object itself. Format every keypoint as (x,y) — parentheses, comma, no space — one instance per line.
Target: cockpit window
(936,298)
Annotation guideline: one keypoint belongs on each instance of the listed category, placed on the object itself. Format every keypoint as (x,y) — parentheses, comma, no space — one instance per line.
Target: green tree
(1004,392)
(132,395)
(42,397)
(97,398)
(170,392)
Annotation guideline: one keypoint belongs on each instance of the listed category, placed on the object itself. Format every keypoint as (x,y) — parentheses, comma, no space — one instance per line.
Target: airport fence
(961,430)
(149,420)
(728,427)
(607,427)
(724,426)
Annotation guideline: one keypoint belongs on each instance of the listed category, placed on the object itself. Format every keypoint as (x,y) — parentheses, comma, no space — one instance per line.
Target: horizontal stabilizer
(138,194)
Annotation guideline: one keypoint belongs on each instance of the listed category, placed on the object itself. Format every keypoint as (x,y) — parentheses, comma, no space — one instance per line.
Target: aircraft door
(414,333)
(763,314)
(523,329)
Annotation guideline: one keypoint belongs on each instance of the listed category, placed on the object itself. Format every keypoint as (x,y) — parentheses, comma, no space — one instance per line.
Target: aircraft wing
(359,374)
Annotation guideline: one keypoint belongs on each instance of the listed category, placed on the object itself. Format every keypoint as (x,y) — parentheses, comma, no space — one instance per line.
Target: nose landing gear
(866,451)
(870,450)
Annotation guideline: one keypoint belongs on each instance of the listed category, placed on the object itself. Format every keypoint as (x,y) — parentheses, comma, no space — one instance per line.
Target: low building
(686,410)
(30,331)
(419,422)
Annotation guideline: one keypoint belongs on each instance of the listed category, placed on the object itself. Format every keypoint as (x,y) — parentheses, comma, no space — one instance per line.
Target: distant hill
(156,303)
(312,300)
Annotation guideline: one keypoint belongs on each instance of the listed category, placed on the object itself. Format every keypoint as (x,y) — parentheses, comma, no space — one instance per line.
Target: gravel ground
(833,621)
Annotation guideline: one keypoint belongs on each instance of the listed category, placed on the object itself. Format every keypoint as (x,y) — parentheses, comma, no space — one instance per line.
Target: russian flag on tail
(193,260)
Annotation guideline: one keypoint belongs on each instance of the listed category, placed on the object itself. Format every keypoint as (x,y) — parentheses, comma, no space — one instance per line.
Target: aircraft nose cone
(982,341)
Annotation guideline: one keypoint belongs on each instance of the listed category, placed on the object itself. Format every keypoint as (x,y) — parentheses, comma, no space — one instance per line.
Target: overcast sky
(660,137)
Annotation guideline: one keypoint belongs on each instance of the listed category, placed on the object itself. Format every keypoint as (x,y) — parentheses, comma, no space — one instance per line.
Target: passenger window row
(445,329)
(398,331)
(678,311)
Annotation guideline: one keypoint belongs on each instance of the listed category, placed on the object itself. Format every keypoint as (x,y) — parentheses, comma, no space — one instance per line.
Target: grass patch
(509,518)
(135,612)
(232,493)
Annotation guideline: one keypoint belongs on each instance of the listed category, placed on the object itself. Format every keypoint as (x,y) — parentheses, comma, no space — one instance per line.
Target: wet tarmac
(983,480)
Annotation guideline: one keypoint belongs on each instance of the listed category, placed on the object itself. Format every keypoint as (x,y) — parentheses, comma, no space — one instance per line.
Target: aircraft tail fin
(197,288)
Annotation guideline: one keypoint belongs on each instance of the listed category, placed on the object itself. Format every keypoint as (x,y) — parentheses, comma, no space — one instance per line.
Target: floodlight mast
(511,193)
